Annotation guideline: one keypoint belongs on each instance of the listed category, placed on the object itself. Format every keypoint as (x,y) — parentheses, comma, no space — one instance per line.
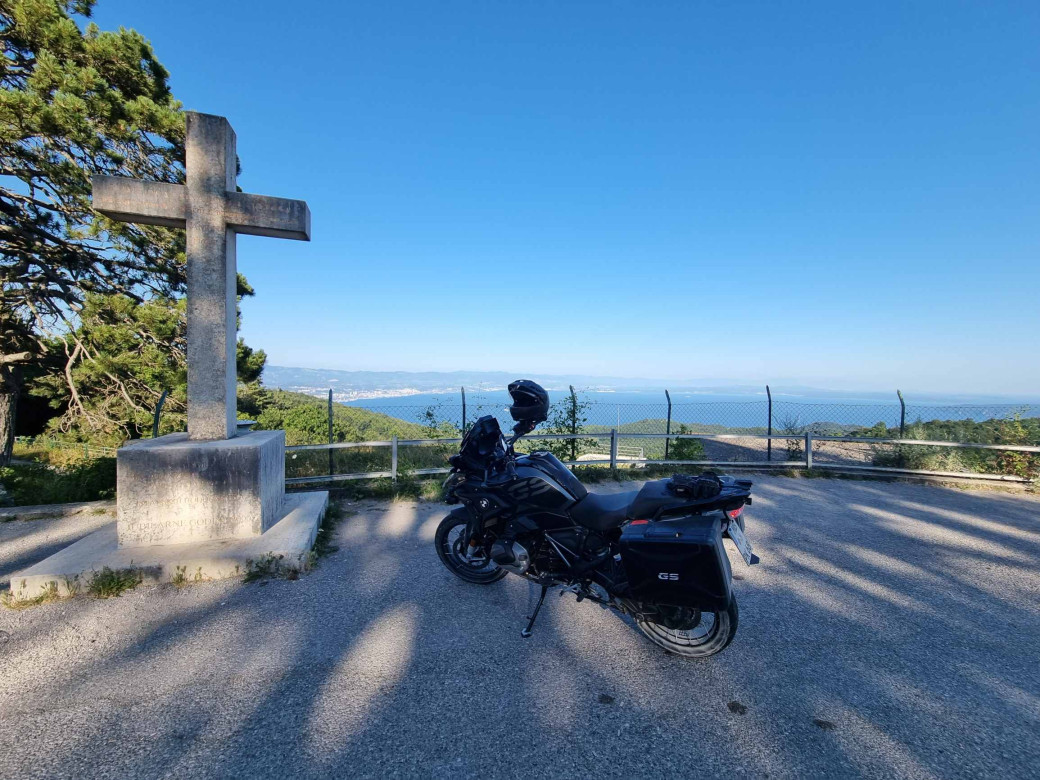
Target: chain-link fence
(749,432)
(576,413)
(740,416)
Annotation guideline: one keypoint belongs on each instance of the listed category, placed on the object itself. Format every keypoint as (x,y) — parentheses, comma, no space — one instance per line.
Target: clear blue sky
(838,194)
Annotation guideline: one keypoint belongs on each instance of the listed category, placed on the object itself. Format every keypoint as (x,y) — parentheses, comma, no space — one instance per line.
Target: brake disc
(678,618)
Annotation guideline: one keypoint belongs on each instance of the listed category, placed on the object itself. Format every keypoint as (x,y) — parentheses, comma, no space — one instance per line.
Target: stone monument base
(286,544)
(173,490)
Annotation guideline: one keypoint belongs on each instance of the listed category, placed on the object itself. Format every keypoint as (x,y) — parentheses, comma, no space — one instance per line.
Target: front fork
(473,544)
(474,549)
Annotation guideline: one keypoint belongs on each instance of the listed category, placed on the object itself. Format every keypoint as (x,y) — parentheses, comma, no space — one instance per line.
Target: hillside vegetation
(305,419)
(1025,430)
(61,472)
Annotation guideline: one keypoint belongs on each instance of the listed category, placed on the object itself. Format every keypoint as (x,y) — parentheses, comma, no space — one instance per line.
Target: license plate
(743,545)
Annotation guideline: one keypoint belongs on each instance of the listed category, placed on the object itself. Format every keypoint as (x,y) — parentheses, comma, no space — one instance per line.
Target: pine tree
(75,101)
(134,351)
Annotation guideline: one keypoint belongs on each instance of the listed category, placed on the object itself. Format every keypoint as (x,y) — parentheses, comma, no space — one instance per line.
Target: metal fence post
(393,458)
(808,450)
(330,432)
(157,414)
(668,423)
(902,414)
(769,425)
(613,449)
(463,389)
(574,424)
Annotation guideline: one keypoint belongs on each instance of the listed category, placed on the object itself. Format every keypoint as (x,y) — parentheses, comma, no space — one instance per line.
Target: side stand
(534,616)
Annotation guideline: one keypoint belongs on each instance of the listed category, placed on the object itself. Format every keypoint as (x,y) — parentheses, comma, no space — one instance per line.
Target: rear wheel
(452,550)
(697,634)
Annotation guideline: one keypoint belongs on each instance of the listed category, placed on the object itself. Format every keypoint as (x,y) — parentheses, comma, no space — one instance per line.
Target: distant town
(362,385)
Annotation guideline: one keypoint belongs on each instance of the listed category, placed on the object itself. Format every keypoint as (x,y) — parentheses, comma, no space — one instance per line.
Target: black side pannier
(679,562)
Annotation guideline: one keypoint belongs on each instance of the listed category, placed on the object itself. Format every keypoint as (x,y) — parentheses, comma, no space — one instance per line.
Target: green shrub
(37,483)
(1012,431)
(686,449)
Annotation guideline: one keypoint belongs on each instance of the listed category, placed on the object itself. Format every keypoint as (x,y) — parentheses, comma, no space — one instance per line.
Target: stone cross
(213,212)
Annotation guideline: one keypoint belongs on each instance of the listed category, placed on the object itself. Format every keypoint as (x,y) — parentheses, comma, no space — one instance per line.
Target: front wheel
(452,547)
(706,633)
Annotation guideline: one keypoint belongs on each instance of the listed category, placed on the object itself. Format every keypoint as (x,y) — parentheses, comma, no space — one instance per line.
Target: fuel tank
(544,483)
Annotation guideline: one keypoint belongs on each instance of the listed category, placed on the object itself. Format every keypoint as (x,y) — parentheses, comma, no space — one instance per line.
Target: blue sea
(745,410)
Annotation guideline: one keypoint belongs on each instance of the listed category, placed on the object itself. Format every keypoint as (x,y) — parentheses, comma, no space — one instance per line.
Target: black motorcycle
(655,554)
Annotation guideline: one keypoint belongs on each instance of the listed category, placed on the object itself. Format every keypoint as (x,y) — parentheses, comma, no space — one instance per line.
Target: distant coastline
(352,387)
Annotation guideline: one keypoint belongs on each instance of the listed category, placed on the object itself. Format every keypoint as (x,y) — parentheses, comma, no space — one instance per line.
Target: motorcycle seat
(602,511)
(656,500)
(654,497)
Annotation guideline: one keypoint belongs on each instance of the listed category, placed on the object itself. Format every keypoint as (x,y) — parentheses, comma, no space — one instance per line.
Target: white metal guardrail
(806,461)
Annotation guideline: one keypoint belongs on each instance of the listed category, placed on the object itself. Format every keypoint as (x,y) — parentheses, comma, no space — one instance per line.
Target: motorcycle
(655,554)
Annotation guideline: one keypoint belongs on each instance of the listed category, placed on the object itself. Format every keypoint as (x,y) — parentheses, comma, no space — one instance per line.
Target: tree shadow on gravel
(381,662)
(27,542)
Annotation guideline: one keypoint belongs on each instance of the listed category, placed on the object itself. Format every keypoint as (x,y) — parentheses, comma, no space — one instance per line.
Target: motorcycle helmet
(530,401)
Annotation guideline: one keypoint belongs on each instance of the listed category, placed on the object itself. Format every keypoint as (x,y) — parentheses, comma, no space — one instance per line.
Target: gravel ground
(891,630)
(25,542)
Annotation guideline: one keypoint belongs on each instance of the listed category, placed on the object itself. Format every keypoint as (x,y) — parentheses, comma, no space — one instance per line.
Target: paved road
(891,630)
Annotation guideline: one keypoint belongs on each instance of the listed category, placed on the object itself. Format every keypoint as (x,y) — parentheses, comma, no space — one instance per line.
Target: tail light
(733,514)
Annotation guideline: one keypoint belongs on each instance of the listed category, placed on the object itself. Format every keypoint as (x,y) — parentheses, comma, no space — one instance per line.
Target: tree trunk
(10,386)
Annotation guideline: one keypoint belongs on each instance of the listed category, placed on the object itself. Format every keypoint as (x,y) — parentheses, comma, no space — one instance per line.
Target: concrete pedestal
(286,545)
(189,511)
(172,490)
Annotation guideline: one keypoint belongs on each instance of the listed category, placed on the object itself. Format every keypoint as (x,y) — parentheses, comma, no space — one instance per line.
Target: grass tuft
(50,594)
(109,583)
(269,567)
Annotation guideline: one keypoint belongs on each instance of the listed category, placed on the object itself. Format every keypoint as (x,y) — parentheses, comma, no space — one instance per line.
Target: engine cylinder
(511,556)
